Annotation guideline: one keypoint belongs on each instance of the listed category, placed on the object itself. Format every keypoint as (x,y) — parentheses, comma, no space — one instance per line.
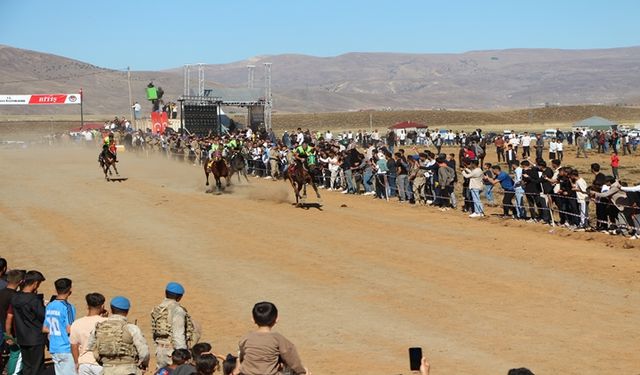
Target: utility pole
(130,98)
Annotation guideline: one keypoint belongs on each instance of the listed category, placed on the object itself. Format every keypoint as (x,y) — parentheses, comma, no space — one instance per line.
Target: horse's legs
(207,175)
(316,190)
(116,169)
(228,178)
(304,189)
(295,190)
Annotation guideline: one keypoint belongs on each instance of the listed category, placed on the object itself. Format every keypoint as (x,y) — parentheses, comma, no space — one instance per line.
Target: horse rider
(109,147)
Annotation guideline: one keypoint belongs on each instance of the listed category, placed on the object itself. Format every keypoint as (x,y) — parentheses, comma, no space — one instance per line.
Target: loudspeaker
(201,119)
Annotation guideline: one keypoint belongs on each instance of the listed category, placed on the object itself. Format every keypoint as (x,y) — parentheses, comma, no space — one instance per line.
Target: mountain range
(486,80)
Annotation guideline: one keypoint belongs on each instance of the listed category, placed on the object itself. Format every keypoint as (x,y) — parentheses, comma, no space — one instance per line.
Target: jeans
(520,211)
(403,186)
(477,205)
(366,180)
(488,193)
(63,363)
(348,175)
(393,190)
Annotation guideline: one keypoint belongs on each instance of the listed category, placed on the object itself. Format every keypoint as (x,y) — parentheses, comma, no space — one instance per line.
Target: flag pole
(81,110)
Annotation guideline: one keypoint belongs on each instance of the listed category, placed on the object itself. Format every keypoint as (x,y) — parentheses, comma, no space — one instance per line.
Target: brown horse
(107,160)
(299,177)
(218,167)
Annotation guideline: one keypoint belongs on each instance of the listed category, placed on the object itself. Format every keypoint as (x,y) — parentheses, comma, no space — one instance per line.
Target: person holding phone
(418,362)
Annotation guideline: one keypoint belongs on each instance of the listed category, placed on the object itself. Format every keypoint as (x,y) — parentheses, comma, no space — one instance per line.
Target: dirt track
(356,286)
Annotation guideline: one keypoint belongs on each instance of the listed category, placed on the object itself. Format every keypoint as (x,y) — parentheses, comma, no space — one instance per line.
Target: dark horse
(107,160)
(217,166)
(299,177)
(238,164)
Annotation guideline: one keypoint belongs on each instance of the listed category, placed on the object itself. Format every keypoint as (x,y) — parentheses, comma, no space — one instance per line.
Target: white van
(550,133)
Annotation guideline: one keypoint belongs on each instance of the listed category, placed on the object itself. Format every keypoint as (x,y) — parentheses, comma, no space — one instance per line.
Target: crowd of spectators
(413,168)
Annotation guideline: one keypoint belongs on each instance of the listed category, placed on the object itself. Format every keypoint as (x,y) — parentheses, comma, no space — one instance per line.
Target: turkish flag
(164,121)
(156,123)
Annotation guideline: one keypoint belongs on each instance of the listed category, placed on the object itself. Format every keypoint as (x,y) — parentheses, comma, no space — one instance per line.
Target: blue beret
(121,303)
(175,288)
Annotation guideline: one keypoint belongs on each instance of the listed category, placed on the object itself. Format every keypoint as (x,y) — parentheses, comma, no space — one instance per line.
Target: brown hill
(472,80)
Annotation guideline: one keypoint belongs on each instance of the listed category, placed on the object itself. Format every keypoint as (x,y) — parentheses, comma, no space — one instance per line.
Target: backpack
(161,324)
(113,340)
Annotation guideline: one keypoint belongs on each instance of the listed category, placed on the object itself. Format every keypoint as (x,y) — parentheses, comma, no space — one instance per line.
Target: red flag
(156,123)
(164,120)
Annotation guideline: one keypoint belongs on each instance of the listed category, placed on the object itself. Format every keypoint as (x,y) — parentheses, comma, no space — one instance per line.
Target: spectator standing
(29,315)
(559,150)
(488,184)
(3,273)
(506,182)
(59,316)
(402,179)
(118,345)
(137,111)
(499,143)
(14,278)
(539,146)
(526,145)
(81,330)
(391,175)
(581,142)
(171,325)
(511,157)
(580,187)
(615,164)
(533,189)
(474,174)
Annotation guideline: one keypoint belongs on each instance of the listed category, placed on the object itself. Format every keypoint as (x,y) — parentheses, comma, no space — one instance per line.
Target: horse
(238,165)
(299,177)
(218,167)
(107,160)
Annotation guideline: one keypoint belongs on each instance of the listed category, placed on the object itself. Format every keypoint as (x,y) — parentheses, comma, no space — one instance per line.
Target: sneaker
(345,191)
(267,178)
(475,215)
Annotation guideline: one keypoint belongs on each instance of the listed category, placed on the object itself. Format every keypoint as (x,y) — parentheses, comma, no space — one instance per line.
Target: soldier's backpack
(161,325)
(113,340)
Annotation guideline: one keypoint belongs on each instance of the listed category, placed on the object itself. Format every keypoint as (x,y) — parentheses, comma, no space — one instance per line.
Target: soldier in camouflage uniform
(171,325)
(118,346)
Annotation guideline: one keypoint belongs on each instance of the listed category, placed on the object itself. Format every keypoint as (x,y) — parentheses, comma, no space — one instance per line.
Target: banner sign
(40,99)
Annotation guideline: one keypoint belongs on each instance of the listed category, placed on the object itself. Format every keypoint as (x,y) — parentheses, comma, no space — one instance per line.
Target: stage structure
(198,108)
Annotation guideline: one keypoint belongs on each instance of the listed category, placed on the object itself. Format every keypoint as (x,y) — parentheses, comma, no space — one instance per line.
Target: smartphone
(415,358)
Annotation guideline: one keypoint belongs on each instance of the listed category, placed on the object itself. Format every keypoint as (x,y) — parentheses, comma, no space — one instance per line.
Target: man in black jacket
(29,313)
(532,189)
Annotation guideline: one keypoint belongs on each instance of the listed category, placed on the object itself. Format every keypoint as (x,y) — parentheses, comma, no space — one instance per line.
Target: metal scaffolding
(200,79)
(187,79)
(250,78)
(267,96)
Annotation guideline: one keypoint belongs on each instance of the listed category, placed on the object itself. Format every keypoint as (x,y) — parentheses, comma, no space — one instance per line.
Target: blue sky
(149,35)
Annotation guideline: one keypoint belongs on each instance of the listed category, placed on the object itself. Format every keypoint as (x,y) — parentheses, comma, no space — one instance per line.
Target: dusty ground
(356,286)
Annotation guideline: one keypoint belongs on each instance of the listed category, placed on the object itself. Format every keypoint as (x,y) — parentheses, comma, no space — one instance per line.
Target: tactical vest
(114,342)
(161,324)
